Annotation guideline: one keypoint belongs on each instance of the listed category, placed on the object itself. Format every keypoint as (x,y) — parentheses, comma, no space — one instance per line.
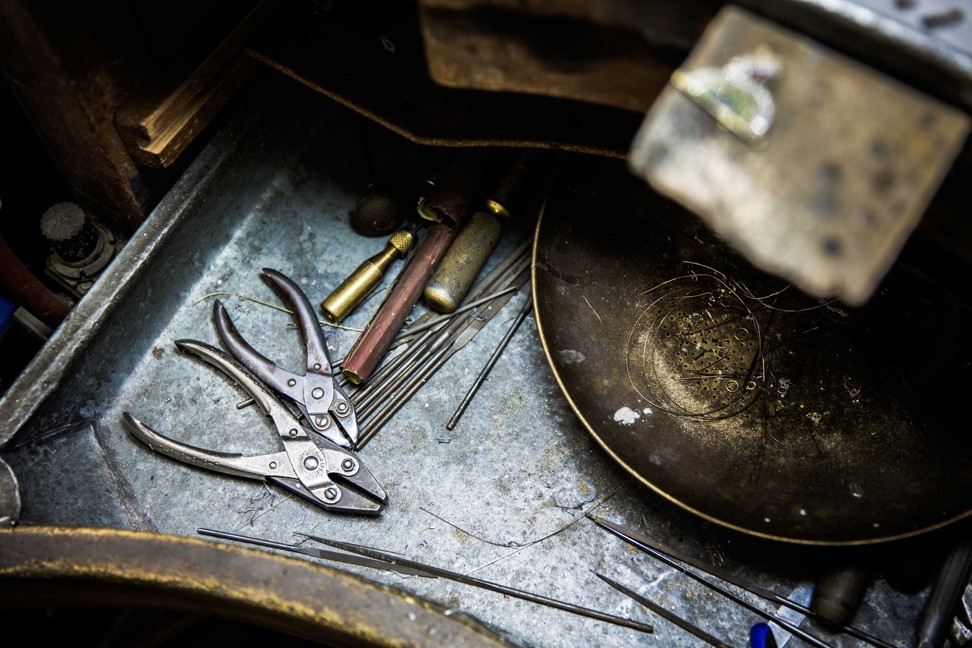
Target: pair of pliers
(316,469)
(307,463)
(317,394)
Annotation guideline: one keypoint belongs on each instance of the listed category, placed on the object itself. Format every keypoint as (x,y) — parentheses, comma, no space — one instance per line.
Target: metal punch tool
(317,394)
(309,466)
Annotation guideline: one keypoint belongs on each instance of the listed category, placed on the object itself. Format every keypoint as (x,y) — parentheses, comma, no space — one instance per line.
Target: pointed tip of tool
(613,583)
(598,520)
(184,344)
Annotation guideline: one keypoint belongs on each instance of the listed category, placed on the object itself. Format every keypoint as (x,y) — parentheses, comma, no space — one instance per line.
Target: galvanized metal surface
(501,496)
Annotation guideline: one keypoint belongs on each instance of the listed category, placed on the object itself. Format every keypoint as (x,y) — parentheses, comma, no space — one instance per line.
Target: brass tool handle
(477,240)
(363,280)
(462,263)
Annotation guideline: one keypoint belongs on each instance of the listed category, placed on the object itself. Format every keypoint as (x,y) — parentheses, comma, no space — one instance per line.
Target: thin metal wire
(481,378)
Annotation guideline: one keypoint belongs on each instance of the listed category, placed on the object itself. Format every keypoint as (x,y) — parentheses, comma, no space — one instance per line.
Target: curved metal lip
(277,594)
(658,490)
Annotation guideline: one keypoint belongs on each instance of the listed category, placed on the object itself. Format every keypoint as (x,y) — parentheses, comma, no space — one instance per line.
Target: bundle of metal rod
(402,376)
(429,363)
(428,325)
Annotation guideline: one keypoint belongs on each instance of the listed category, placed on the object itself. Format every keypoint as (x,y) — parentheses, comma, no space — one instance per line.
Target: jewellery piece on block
(736,94)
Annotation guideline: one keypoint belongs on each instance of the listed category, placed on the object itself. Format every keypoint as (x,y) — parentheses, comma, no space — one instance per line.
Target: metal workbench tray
(502,496)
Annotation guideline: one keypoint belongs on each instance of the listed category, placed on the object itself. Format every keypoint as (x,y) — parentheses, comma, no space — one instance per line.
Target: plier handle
(315,469)
(317,394)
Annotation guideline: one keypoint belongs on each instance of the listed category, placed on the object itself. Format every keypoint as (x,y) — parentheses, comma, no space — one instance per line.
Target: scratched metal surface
(274,189)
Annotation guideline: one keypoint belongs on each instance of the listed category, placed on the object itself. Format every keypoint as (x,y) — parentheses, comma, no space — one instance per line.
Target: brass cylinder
(363,280)
(452,279)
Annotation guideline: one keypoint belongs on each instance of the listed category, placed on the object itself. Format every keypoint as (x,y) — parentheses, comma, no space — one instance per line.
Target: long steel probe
(481,378)
(325,554)
(493,587)
(722,574)
(794,630)
(691,628)
(421,326)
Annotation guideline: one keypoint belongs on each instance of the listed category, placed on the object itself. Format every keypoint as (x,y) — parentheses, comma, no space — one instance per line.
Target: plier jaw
(317,394)
(311,467)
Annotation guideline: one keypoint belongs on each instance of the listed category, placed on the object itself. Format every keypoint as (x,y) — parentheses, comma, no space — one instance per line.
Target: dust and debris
(583,487)
(852,389)
(570,356)
(158,352)
(461,536)
(626,416)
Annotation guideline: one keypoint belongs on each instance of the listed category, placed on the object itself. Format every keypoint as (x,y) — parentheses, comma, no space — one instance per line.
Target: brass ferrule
(363,280)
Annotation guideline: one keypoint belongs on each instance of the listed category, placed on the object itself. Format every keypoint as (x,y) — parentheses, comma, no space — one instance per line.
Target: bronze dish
(736,396)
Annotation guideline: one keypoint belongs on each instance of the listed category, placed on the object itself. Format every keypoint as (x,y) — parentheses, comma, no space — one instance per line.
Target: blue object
(7,309)
(761,636)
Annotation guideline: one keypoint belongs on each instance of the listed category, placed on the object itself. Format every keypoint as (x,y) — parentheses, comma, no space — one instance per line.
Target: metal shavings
(273,306)
(259,511)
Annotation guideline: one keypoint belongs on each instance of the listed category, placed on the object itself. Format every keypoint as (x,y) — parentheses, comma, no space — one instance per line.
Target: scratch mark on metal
(592,309)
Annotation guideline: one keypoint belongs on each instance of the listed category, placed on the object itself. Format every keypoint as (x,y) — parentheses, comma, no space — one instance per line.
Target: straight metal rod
(459,311)
(493,587)
(325,554)
(481,378)
(724,575)
(794,630)
(402,397)
(389,375)
(691,628)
